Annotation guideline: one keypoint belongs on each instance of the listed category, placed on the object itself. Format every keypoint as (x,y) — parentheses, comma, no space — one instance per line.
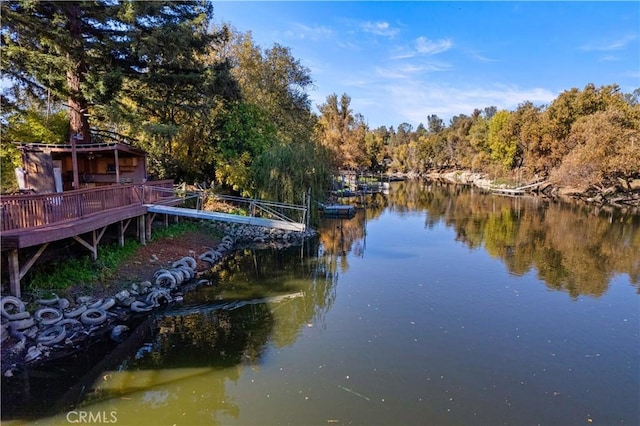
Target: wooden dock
(521,190)
(226,217)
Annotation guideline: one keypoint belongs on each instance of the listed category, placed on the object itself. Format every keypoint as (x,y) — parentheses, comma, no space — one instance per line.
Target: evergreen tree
(81,51)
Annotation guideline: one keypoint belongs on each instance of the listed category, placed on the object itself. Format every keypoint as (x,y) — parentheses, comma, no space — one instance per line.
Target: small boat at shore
(337,210)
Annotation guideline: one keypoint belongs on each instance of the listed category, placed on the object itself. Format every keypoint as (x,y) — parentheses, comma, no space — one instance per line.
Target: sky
(403,61)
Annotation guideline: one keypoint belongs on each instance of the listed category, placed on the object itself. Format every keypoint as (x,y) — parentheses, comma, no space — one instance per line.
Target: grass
(83,270)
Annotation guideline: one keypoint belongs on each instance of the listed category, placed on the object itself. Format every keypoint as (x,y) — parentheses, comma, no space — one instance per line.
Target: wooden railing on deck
(28,211)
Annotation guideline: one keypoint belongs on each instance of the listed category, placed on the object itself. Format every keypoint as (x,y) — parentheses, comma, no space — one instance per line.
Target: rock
(63,304)
(83,300)
(119,332)
(33,353)
(123,295)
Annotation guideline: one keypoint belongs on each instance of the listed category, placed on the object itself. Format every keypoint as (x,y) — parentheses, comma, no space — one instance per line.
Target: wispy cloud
(381,28)
(431,47)
(633,74)
(481,58)
(416,101)
(412,100)
(410,70)
(609,45)
(422,46)
(307,32)
(609,58)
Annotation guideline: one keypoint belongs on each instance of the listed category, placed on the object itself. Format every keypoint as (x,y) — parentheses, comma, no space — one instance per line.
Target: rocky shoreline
(46,329)
(620,195)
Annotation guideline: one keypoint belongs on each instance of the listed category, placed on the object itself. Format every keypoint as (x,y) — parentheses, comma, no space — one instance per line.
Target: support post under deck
(14,273)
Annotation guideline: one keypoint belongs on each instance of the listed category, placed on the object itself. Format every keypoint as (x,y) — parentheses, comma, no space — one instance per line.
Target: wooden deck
(37,220)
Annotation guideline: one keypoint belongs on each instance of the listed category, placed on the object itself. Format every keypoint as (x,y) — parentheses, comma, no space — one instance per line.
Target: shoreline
(157,281)
(615,195)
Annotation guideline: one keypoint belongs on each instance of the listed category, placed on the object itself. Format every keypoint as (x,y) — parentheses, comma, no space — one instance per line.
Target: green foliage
(236,173)
(342,133)
(34,126)
(208,103)
(501,143)
(605,145)
(584,137)
(177,229)
(28,126)
(82,270)
(10,158)
(286,171)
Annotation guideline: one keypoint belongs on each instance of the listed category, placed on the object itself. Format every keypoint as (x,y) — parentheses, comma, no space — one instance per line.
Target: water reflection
(573,248)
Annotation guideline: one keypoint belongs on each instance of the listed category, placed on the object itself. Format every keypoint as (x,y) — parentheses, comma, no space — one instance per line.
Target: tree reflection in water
(572,247)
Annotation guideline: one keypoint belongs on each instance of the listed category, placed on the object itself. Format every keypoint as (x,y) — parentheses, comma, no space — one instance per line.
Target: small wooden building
(50,167)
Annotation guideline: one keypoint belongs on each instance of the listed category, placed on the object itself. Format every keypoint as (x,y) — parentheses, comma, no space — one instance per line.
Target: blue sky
(402,61)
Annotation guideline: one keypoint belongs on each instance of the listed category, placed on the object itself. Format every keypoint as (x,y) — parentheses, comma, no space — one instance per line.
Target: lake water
(435,305)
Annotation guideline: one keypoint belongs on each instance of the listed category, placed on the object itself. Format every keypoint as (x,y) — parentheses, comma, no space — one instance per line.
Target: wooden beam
(94,253)
(30,262)
(97,240)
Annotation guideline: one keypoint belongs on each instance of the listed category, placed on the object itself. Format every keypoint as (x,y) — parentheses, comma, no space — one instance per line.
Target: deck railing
(28,211)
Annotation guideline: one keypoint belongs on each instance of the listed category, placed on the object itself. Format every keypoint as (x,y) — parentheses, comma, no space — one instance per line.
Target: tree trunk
(77,104)
(78,120)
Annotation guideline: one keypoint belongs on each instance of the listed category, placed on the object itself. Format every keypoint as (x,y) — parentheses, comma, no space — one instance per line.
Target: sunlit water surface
(435,305)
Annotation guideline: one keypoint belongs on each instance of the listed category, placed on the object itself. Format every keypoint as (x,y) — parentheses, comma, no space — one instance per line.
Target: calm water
(436,305)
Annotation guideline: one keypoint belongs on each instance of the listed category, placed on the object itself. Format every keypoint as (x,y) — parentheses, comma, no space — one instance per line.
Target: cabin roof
(82,147)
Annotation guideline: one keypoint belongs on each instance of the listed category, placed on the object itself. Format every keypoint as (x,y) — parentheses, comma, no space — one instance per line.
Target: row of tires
(56,322)
(214,255)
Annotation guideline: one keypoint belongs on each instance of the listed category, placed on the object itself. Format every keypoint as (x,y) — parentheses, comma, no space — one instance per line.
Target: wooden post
(122,230)
(117,165)
(74,162)
(95,240)
(14,273)
(142,231)
(149,223)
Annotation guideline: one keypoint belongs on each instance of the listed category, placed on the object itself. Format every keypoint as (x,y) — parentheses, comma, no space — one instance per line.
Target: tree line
(584,137)
(209,105)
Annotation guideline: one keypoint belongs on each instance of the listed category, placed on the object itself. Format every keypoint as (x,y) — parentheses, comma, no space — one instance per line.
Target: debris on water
(354,393)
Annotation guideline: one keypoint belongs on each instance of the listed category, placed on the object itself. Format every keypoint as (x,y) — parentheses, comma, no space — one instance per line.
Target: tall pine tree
(82,51)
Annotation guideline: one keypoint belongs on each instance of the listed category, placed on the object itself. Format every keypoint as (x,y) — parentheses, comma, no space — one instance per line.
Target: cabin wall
(95,168)
(38,168)
(94,171)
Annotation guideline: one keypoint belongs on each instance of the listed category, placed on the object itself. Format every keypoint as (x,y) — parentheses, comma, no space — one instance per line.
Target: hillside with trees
(209,105)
